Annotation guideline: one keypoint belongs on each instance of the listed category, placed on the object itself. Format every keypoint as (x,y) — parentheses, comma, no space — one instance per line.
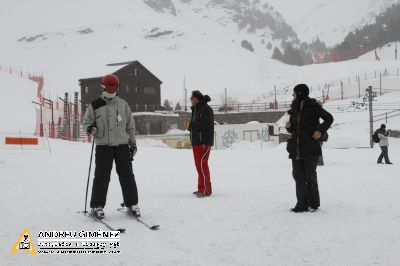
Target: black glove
(91,130)
(132,150)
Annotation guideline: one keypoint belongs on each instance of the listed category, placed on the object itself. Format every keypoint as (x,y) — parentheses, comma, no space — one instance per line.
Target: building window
(127,88)
(134,72)
(86,90)
(136,89)
(149,90)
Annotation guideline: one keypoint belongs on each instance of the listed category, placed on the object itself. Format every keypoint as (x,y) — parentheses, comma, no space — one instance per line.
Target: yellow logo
(24,243)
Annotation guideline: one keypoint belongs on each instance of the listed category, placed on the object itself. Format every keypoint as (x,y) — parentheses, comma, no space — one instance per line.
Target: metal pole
(226,100)
(41,121)
(41,129)
(341,91)
(380,84)
(276,102)
(371,115)
(52,120)
(395,53)
(359,87)
(51,104)
(185,92)
(88,179)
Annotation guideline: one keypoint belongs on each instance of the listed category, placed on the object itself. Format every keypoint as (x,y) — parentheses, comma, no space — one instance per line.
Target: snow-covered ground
(246,222)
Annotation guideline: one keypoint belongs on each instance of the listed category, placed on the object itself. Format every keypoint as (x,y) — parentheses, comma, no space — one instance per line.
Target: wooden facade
(138,86)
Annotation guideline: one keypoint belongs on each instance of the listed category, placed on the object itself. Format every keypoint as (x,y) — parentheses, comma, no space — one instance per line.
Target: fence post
(341,90)
(386,117)
(226,99)
(359,87)
(380,84)
(371,96)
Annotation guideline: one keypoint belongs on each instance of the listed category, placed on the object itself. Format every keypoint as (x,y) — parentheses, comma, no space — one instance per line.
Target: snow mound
(151,143)
(177,132)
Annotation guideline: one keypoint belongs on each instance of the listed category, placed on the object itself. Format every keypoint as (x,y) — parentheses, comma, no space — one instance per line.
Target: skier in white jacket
(383,135)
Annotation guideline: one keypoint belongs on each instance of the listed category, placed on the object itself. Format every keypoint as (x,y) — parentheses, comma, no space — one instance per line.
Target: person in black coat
(201,129)
(304,146)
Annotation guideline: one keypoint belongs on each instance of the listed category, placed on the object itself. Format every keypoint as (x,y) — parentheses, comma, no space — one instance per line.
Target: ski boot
(97,213)
(196,193)
(299,209)
(134,210)
(203,195)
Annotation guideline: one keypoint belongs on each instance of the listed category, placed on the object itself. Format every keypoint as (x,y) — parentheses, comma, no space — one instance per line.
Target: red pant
(201,154)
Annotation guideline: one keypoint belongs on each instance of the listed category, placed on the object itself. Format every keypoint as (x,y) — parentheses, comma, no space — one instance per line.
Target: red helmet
(110,83)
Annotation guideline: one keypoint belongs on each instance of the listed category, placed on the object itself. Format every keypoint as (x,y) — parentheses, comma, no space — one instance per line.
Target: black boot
(97,213)
(134,210)
(299,209)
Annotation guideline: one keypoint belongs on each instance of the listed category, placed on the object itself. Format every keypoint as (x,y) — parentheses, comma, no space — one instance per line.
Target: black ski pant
(384,154)
(105,155)
(305,176)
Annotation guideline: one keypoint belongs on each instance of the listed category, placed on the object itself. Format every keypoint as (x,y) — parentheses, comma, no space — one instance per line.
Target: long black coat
(305,120)
(201,125)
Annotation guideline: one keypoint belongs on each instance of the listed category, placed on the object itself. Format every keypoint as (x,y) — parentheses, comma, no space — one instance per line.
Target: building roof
(116,67)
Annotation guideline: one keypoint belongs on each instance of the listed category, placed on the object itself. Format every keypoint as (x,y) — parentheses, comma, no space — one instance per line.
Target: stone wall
(158,123)
(153,123)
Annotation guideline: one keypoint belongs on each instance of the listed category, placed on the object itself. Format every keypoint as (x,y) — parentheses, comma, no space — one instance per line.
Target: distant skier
(383,136)
(109,119)
(304,146)
(201,129)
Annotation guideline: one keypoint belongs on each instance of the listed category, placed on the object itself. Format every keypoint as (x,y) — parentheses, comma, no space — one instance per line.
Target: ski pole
(88,179)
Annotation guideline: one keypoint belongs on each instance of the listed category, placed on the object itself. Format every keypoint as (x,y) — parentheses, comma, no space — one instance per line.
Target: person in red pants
(201,129)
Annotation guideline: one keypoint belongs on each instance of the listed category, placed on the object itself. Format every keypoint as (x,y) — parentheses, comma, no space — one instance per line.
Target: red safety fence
(21,141)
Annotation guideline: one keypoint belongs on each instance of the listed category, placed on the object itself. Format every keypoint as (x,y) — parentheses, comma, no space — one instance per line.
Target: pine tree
(178,107)
(277,54)
(167,105)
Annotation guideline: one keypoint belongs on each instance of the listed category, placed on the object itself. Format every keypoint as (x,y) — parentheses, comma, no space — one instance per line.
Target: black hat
(302,90)
(383,126)
(198,95)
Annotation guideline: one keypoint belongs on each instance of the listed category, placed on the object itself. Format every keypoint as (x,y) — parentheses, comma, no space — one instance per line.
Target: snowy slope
(197,39)
(329,20)
(385,53)
(68,40)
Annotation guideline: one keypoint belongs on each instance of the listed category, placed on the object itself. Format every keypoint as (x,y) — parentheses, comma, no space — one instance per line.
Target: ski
(138,219)
(121,230)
